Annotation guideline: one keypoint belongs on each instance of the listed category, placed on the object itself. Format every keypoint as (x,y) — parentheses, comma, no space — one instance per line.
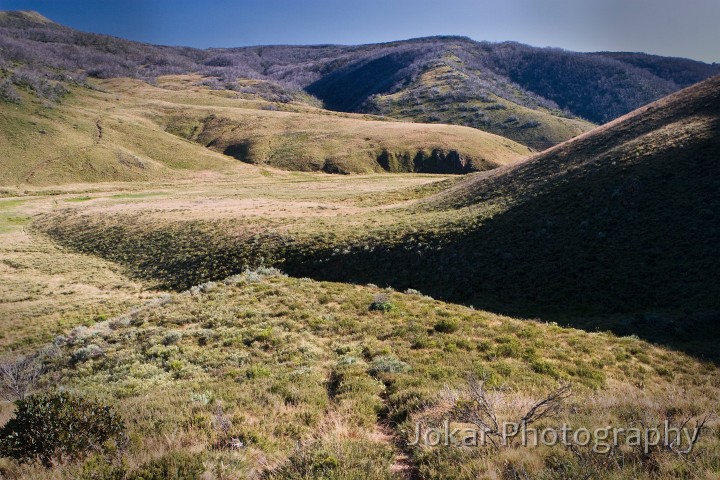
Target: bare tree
(689,424)
(476,408)
(549,406)
(19,376)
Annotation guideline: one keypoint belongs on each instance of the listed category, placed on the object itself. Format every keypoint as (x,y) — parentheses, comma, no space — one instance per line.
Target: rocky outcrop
(434,161)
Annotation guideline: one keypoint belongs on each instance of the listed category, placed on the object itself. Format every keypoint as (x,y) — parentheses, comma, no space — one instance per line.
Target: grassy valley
(594,231)
(258,263)
(304,374)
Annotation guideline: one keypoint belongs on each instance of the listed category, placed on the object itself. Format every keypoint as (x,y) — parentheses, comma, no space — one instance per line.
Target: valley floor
(262,375)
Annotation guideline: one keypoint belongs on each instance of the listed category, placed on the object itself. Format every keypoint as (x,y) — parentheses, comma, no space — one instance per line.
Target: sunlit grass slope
(128,130)
(311,383)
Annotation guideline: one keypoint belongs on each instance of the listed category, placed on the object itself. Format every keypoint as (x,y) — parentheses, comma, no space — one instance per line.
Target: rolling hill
(127,130)
(263,375)
(197,299)
(538,97)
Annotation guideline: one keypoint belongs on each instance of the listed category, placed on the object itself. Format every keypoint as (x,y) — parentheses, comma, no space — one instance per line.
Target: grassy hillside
(306,381)
(619,220)
(614,229)
(531,95)
(260,375)
(171,247)
(92,136)
(128,130)
(303,374)
(313,142)
(47,290)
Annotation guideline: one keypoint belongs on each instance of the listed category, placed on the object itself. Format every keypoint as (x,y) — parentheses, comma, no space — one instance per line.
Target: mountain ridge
(536,96)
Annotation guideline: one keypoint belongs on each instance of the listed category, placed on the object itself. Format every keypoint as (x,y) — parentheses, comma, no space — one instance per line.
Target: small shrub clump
(88,352)
(381,303)
(58,427)
(8,93)
(446,325)
(172,337)
(388,364)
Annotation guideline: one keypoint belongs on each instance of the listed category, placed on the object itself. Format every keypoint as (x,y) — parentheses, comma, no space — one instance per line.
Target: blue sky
(685,28)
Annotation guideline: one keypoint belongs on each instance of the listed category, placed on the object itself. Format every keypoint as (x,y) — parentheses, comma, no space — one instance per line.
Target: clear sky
(684,28)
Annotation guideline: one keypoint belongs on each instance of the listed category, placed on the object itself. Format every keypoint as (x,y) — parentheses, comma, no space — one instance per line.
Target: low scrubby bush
(87,352)
(58,427)
(446,325)
(381,303)
(388,364)
(8,93)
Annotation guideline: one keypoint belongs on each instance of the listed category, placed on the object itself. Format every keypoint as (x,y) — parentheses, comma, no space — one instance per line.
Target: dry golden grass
(46,290)
(119,131)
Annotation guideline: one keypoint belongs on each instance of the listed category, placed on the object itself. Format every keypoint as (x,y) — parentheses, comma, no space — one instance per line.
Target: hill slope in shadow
(620,223)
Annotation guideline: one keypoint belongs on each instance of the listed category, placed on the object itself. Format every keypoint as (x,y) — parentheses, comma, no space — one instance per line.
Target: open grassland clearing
(47,289)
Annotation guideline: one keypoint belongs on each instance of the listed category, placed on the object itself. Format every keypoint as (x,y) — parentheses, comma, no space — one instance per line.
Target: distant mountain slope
(444,93)
(532,95)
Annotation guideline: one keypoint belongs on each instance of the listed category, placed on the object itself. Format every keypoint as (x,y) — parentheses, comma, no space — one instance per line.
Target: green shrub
(257,371)
(446,325)
(263,336)
(350,459)
(88,352)
(543,367)
(508,348)
(421,341)
(588,376)
(381,303)
(172,337)
(312,464)
(388,364)
(56,427)
(173,466)
(98,468)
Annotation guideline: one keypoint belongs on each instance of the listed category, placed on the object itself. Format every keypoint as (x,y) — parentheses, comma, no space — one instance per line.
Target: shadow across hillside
(633,250)
(630,247)
(346,89)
